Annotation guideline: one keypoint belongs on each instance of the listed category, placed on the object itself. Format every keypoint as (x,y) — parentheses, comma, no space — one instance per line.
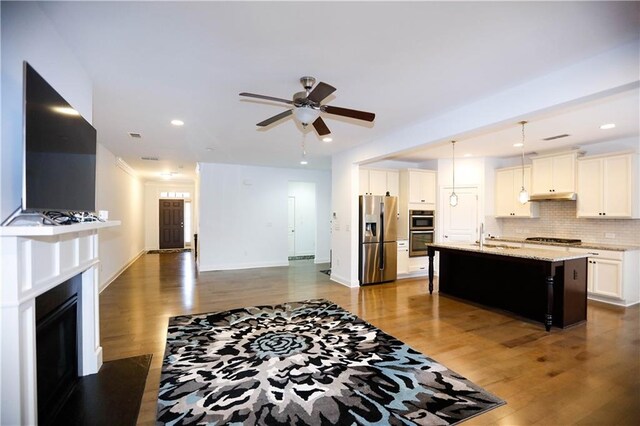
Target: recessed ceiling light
(303,162)
(209,148)
(327,139)
(518,145)
(608,126)
(467,155)
(177,122)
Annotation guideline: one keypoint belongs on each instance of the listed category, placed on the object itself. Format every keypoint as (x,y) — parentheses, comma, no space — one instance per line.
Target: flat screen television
(60,151)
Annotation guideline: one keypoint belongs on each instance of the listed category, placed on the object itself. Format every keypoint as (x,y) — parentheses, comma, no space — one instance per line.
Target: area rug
(308,362)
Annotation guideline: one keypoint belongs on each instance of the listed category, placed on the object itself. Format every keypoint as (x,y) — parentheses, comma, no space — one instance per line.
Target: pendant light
(453,198)
(523,196)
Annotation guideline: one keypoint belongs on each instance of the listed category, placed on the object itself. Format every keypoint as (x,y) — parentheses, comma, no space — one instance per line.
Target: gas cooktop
(554,240)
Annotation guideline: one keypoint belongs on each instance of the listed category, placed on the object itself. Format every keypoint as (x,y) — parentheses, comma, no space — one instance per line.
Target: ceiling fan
(307,106)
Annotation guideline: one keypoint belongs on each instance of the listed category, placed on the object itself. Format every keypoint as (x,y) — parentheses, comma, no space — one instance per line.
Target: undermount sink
(495,246)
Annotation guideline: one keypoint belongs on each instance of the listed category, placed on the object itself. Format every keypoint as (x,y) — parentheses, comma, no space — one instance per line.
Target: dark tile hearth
(111,397)
(163,251)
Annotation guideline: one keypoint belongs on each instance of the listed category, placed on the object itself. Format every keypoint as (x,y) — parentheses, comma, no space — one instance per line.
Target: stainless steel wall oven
(421,220)
(421,231)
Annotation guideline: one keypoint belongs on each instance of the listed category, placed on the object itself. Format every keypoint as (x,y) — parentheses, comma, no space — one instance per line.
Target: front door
(171,224)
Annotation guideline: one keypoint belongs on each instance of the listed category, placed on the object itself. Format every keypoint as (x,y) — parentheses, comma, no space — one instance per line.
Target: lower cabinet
(605,277)
(403,257)
(613,276)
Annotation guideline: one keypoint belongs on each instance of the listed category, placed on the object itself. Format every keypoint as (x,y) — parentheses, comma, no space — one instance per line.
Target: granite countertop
(511,251)
(585,245)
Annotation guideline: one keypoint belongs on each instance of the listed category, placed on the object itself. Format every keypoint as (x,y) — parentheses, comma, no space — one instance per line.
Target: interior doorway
(171,230)
(302,219)
(459,223)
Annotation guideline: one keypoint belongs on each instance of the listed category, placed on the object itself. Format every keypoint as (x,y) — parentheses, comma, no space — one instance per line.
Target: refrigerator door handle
(381,245)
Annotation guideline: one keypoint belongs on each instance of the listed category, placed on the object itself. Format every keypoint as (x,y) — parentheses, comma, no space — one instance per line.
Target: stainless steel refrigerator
(378,233)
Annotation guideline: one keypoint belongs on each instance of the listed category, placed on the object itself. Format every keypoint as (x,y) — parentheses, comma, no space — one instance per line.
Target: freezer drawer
(376,265)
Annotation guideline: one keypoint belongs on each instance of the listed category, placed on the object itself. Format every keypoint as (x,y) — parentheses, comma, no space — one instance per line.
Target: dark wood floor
(589,374)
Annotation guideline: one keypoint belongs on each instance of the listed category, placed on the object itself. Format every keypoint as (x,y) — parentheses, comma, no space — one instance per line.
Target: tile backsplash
(558,219)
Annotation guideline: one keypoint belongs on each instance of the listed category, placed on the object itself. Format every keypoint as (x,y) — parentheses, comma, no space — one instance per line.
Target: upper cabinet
(420,186)
(379,182)
(508,186)
(608,187)
(553,173)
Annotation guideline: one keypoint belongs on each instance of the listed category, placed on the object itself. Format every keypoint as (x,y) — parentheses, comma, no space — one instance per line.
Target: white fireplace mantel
(33,260)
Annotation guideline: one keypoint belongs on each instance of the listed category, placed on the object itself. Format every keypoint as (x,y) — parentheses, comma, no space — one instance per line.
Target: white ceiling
(151,62)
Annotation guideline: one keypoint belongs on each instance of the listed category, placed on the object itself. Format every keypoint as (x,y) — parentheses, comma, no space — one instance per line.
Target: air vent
(149,158)
(135,135)
(550,138)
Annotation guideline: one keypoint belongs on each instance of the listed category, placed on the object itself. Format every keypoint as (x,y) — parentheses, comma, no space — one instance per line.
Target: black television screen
(60,151)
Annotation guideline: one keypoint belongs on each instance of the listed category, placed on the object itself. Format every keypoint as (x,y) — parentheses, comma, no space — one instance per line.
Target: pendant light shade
(523,196)
(453,198)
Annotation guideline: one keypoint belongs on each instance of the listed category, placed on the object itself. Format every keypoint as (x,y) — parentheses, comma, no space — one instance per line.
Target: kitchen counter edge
(524,253)
(585,245)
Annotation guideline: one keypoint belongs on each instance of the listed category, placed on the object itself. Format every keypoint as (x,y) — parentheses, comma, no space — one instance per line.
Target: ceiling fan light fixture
(306,114)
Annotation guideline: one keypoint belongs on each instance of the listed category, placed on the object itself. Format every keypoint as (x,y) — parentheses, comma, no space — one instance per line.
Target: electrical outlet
(609,235)
(348,228)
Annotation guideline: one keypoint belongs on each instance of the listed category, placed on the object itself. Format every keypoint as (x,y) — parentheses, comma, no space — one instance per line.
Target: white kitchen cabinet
(553,173)
(608,187)
(364,182)
(508,186)
(403,257)
(613,276)
(379,182)
(420,186)
(393,182)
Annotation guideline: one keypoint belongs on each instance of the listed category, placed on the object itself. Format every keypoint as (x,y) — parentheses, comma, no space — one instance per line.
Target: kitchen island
(542,285)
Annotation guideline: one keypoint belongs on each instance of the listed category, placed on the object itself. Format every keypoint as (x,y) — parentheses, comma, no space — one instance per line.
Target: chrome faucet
(481,236)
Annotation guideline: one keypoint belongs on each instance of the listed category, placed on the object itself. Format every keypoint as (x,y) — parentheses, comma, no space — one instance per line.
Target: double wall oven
(421,231)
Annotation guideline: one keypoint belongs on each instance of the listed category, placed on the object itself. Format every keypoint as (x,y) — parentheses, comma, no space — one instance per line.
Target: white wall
(243,215)
(121,193)
(152,192)
(606,73)
(27,34)
(305,217)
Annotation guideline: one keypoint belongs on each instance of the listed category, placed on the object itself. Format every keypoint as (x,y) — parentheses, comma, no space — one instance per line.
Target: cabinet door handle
(575,274)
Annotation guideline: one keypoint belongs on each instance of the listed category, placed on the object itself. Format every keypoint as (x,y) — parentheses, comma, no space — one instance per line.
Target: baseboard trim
(327,260)
(234,266)
(120,271)
(343,281)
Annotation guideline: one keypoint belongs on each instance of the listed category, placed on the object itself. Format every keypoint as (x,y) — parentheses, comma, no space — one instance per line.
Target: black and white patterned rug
(307,362)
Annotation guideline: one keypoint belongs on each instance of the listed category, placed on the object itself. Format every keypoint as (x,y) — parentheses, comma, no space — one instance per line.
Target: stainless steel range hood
(554,196)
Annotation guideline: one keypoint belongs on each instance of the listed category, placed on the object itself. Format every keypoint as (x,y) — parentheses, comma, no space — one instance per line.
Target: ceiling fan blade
(275,118)
(268,98)
(321,91)
(351,113)
(321,127)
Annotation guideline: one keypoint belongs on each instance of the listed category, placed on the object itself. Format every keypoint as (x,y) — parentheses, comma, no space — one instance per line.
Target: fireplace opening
(56,347)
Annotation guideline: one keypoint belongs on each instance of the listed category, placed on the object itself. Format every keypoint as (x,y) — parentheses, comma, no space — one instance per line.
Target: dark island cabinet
(551,290)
